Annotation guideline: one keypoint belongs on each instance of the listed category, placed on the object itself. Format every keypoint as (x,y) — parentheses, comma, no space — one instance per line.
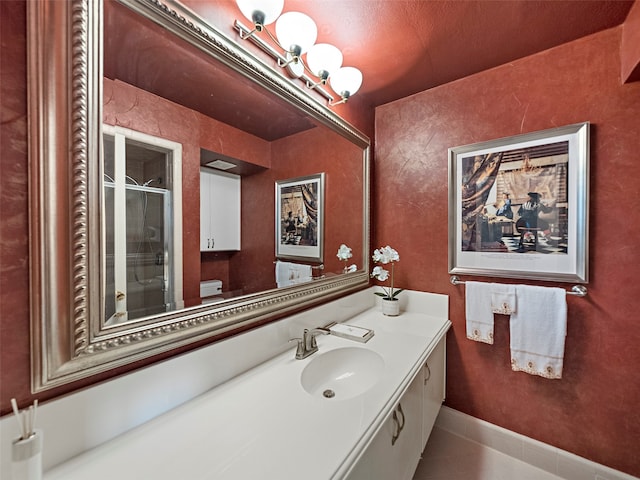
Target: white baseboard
(559,462)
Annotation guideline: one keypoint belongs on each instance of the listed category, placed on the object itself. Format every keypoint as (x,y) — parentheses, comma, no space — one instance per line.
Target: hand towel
(538,330)
(288,273)
(503,299)
(478,312)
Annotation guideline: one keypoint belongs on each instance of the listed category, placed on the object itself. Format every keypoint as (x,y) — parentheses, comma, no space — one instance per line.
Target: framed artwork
(519,206)
(300,218)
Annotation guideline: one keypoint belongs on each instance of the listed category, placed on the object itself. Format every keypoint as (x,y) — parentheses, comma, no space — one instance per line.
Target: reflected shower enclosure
(142,192)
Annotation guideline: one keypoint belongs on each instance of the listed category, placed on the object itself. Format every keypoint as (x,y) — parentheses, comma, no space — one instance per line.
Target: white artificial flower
(344,252)
(385,255)
(380,273)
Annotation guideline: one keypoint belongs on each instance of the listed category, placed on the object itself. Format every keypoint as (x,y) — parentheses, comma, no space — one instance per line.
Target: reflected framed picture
(519,206)
(300,218)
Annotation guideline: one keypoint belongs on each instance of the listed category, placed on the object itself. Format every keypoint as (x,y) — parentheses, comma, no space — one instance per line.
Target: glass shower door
(138,209)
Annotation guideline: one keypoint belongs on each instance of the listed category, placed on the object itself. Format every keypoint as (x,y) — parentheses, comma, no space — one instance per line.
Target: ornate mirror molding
(69,339)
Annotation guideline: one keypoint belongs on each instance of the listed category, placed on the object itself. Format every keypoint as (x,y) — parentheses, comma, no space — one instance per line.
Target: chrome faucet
(307,345)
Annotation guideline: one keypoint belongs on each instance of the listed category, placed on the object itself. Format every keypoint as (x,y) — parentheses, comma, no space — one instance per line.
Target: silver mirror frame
(65,112)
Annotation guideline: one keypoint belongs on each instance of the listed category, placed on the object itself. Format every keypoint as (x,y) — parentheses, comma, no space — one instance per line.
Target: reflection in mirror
(118,261)
(262,142)
(143,241)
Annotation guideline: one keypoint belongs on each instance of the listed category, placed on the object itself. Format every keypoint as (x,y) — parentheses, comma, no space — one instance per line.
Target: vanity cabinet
(377,435)
(395,450)
(219,211)
(433,373)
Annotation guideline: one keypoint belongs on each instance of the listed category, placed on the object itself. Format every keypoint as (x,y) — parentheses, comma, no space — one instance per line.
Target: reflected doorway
(142,226)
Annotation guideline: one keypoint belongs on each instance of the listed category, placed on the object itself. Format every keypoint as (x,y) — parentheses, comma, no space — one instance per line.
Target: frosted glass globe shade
(346,81)
(295,28)
(254,10)
(324,57)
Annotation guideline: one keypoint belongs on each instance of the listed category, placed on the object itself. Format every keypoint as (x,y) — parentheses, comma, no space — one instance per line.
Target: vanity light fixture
(295,36)
(346,82)
(260,12)
(323,60)
(296,33)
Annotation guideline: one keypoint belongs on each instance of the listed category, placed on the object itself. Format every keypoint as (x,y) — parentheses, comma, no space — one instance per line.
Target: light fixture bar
(272,52)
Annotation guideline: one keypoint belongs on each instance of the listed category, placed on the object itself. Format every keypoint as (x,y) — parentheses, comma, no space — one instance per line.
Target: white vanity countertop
(263,424)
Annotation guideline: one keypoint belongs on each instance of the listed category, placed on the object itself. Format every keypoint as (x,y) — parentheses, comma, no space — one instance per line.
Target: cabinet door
(395,451)
(434,388)
(219,211)
(205,218)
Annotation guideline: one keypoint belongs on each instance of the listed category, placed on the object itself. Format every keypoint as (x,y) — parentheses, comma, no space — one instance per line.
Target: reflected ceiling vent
(220,165)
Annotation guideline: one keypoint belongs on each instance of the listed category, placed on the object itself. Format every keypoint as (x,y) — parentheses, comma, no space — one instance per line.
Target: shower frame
(172,253)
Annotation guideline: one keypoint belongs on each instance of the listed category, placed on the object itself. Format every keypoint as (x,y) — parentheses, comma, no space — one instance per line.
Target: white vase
(391,307)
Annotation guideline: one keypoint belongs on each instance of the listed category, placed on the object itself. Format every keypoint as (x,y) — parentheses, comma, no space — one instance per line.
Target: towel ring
(576,290)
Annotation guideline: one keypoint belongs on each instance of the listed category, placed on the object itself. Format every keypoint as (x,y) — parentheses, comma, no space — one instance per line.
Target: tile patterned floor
(450,457)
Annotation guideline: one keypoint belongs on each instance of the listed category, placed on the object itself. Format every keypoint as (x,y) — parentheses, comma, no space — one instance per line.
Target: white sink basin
(342,373)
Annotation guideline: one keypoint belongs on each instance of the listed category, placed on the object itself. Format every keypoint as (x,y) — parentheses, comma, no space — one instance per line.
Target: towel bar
(577,290)
(316,267)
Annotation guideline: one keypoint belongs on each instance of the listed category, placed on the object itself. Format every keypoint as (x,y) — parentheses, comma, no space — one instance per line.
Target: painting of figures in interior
(299,218)
(518,205)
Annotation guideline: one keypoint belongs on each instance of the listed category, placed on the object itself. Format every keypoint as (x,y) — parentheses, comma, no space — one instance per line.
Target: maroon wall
(222,15)
(341,163)
(630,50)
(593,410)
(14,220)
(130,107)
(307,153)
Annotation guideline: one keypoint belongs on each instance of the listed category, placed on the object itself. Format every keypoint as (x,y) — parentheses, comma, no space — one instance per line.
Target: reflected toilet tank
(210,290)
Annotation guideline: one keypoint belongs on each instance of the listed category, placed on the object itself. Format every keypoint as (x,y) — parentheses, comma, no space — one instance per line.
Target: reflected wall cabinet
(219,211)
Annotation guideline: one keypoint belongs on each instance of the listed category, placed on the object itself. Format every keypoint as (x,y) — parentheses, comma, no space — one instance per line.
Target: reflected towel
(478,312)
(288,273)
(503,299)
(538,331)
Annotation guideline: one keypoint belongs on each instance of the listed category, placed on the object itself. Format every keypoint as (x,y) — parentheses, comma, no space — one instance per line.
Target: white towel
(288,273)
(538,330)
(478,312)
(503,299)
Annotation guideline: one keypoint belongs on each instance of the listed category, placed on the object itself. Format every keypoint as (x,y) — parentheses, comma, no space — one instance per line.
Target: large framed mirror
(137,108)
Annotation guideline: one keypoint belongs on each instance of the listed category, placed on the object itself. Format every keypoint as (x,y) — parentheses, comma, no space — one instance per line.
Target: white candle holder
(26,457)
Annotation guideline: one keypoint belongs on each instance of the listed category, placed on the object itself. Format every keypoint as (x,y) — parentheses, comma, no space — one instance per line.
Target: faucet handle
(300,350)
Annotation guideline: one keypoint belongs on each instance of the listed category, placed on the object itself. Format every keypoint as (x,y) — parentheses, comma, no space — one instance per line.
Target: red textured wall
(14,221)
(593,410)
(295,156)
(630,51)
(130,107)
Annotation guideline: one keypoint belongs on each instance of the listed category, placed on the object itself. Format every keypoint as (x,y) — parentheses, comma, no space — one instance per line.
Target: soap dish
(351,332)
